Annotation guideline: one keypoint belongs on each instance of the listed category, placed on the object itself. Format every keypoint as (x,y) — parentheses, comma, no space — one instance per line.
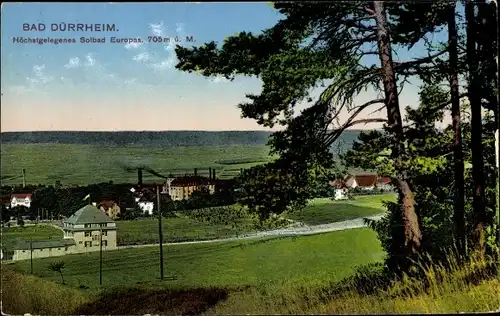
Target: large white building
(20,199)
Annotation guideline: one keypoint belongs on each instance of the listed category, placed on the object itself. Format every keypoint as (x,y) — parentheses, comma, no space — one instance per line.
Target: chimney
(139,176)
(213,174)
(24,177)
(195,172)
(210,173)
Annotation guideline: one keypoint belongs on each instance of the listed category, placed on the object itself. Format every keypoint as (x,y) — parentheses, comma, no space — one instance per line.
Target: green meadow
(86,164)
(306,259)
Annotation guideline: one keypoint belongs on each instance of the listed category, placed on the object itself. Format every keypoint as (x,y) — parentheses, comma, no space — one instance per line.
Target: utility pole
(160,231)
(100,260)
(24,177)
(31,254)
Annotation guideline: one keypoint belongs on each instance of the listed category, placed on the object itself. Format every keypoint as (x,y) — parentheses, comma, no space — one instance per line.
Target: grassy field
(177,229)
(10,235)
(267,276)
(85,164)
(308,259)
(184,228)
(324,210)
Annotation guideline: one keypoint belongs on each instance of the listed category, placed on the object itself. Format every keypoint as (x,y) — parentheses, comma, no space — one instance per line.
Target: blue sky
(113,86)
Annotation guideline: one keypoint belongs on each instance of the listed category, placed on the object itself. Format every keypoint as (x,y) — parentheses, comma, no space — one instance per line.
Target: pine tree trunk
(412,233)
(474,87)
(458,156)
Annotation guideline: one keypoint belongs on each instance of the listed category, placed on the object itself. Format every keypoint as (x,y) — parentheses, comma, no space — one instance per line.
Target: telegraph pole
(100,260)
(160,231)
(31,254)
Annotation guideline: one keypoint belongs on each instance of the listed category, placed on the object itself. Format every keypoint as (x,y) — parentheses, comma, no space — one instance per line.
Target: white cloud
(157,29)
(90,60)
(144,56)
(74,62)
(40,76)
(95,72)
(133,45)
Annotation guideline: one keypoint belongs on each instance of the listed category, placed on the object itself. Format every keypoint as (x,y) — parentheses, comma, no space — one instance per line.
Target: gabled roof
(21,195)
(384,180)
(366,180)
(89,214)
(41,244)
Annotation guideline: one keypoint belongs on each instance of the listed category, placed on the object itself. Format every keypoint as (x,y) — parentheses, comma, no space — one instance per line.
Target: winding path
(301,229)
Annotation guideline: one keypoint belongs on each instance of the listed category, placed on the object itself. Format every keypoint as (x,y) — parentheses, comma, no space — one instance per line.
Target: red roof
(21,195)
(366,180)
(384,180)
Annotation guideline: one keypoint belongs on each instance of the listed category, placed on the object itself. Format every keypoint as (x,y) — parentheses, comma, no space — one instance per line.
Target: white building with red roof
(21,199)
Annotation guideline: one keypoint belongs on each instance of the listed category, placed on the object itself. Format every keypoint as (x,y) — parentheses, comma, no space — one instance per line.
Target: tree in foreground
(323,46)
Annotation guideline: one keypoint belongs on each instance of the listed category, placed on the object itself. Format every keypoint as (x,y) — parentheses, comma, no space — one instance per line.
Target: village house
(366,182)
(82,232)
(340,189)
(144,197)
(21,199)
(110,208)
(145,205)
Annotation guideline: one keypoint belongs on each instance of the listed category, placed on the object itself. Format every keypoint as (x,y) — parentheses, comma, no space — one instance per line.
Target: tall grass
(29,294)
(470,286)
(473,286)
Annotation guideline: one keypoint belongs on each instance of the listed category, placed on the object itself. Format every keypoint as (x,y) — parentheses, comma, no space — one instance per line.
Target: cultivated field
(85,164)
(307,259)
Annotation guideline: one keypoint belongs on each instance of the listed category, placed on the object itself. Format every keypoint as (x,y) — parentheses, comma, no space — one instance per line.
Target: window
(80,242)
(105,243)
(102,225)
(87,225)
(105,233)
(58,248)
(88,244)
(88,234)
(65,248)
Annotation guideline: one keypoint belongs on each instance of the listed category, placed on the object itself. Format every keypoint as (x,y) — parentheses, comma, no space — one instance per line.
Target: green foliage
(57,266)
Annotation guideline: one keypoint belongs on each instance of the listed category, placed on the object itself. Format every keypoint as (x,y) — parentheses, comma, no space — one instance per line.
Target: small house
(110,208)
(340,189)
